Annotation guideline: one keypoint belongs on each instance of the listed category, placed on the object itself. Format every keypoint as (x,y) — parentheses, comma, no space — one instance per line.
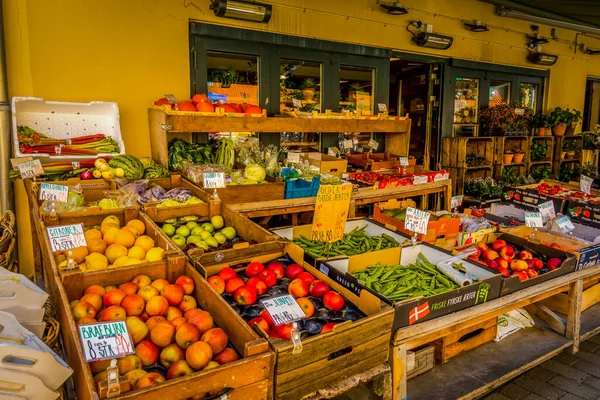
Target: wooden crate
(352,347)
(460,175)
(420,360)
(591,296)
(536,165)
(549,141)
(465,339)
(378,161)
(456,150)
(247,378)
(561,140)
(504,143)
(499,169)
(236,194)
(93,189)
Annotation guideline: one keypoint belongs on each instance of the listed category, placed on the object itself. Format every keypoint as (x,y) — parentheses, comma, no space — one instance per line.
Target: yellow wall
(133,51)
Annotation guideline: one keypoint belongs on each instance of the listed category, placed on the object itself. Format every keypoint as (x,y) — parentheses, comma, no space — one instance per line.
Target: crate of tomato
(531,196)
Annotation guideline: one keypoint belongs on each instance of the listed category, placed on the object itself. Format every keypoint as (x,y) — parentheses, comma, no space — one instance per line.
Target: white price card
(283,309)
(547,210)
(565,224)
(30,169)
(382,107)
(66,237)
(416,220)
(214,180)
(533,219)
(373,144)
(52,192)
(105,340)
(329,153)
(348,144)
(297,103)
(420,179)
(14,162)
(293,157)
(585,184)
(456,201)
(404,161)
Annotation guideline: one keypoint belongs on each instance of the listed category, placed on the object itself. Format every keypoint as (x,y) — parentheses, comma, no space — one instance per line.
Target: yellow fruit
(119,172)
(137,224)
(111,219)
(154,254)
(92,234)
(97,174)
(145,242)
(120,262)
(96,262)
(125,238)
(63,264)
(133,261)
(110,233)
(96,246)
(115,251)
(78,254)
(137,252)
(104,167)
(132,230)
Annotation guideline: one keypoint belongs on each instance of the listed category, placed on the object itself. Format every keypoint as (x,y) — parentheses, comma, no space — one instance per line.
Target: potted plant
(541,173)
(474,160)
(575,119)
(518,155)
(561,119)
(538,151)
(308,88)
(590,148)
(507,157)
(569,148)
(539,123)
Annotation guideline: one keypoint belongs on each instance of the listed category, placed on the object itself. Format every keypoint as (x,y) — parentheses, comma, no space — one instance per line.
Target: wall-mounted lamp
(242,9)
(393,8)
(542,58)
(433,40)
(592,52)
(476,26)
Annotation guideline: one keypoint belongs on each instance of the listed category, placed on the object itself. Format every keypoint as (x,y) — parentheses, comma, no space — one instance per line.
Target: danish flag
(419,312)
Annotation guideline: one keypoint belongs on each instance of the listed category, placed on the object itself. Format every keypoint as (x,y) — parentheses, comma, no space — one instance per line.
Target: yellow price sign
(331,212)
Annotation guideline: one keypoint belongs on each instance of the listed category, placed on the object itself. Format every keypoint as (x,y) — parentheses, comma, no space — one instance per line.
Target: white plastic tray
(62,120)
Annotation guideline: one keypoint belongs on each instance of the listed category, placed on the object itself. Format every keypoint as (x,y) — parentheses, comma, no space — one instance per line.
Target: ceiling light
(476,26)
(394,8)
(542,58)
(433,40)
(242,9)
(504,12)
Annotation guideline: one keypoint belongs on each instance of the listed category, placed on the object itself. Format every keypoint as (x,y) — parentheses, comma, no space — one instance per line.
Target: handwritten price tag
(565,224)
(30,169)
(331,212)
(66,237)
(585,184)
(547,210)
(533,219)
(105,340)
(14,162)
(416,220)
(456,201)
(293,157)
(419,179)
(382,107)
(348,144)
(52,192)
(283,309)
(404,161)
(373,144)
(214,180)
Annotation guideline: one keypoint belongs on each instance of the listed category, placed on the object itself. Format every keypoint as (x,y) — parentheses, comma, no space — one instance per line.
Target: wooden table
(485,368)
(268,209)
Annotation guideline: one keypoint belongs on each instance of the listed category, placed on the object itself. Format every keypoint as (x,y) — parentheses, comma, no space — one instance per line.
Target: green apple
(168,229)
(217,222)
(197,230)
(208,227)
(205,235)
(183,231)
(202,244)
(191,224)
(220,237)
(179,241)
(229,232)
(212,242)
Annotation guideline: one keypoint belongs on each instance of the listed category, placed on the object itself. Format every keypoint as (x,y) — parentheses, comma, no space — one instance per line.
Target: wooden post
(574,313)
(398,364)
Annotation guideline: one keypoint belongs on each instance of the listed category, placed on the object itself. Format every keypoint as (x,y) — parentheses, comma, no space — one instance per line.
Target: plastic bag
(511,322)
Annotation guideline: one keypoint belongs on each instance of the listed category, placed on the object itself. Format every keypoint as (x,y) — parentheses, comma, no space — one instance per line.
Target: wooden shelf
(568,160)
(301,144)
(480,167)
(540,162)
(589,322)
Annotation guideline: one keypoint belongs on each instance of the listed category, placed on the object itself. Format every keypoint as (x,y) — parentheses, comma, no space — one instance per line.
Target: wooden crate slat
(455,150)
(460,175)
(504,143)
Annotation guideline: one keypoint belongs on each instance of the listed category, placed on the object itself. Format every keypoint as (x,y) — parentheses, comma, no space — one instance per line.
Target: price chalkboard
(214,180)
(283,309)
(331,212)
(105,340)
(52,192)
(66,237)
(416,220)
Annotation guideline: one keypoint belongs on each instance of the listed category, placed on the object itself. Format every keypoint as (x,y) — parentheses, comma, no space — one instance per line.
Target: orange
(92,234)
(78,254)
(96,245)
(114,252)
(137,253)
(137,224)
(125,238)
(110,233)
(145,242)
(132,230)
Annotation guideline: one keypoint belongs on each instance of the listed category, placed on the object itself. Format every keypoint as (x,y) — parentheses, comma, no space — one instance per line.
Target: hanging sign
(533,219)
(585,184)
(547,210)
(331,212)
(214,180)
(565,224)
(105,340)
(416,220)
(373,144)
(52,192)
(30,169)
(456,201)
(283,309)
(66,237)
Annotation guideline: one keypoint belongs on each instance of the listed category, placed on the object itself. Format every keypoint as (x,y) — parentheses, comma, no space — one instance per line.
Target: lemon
(119,172)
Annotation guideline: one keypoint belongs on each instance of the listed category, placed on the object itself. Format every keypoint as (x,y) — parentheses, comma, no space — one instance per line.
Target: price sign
(52,192)
(348,144)
(565,224)
(416,220)
(520,111)
(214,180)
(283,309)
(66,237)
(297,103)
(105,340)
(533,219)
(547,210)
(404,161)
(382,107)
(331,212)
(293,157)
(419,179)
(585,184)
(30,169)
(456,201)
(14,162)
(373,144)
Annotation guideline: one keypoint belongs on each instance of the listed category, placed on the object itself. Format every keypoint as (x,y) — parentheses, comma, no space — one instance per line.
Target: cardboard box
(485,289)
(528,198)
(584,212)
(328,164)
(465,238)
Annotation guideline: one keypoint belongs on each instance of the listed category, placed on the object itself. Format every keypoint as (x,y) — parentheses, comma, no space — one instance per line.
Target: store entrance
(591,115)
(415,90)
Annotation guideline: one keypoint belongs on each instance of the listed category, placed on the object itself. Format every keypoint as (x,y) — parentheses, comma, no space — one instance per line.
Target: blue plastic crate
(301,188)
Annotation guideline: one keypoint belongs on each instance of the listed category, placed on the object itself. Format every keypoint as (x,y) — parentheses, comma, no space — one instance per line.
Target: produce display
(31,141)
(355,242)
(202,103)
(188,233)
(151,193)
(112,246)
(509,260)
(243,286)
(563,193)
(400,215)
(171,335)
(389,180)
(400,282)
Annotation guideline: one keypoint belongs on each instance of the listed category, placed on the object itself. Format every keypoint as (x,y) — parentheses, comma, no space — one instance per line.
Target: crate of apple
(171,335)
(243,287)
(508,260)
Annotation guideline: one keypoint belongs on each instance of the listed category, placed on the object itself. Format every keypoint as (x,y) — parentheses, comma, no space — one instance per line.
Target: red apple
(268,277)
(539,264)
(186,283)
(522,275)
(298,288)
(307,306)
(519,265)
(525,255)
(482,247)
(553,263)
(217,283)
(258,284)
(492,264)
(245,295)
(232,284)
(264,325)
(284,331)
(532,273)
(530,263)
(227,273)
(318,288)
(507,252)
(503,262)
(254,268)
(277,269)
(306,277)
(504,271)
(264,314)
(490,255)
(498,244)
(328,327)
(333,301)
(292,271)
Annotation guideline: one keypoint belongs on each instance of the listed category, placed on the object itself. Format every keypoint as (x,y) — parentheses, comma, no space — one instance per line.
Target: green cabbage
(255,172)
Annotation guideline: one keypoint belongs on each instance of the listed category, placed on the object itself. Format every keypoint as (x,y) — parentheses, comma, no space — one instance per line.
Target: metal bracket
(166,127)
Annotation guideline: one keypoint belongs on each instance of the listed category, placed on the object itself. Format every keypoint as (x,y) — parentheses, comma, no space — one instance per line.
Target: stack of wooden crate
(455,153)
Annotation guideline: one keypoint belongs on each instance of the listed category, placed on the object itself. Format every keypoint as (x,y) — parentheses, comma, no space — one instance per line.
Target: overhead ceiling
(584,12)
